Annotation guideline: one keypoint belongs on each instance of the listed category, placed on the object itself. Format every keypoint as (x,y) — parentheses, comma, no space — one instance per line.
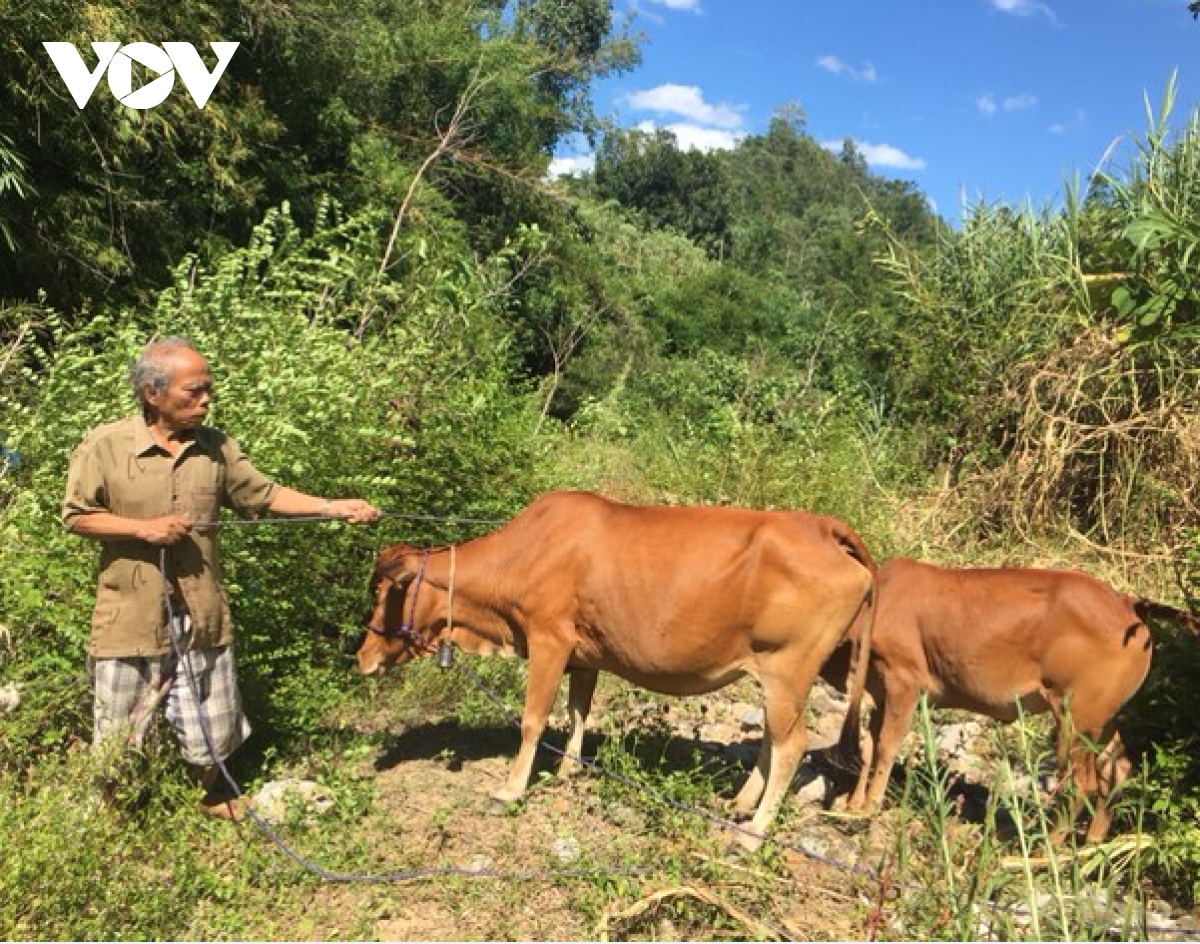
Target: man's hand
(288,501)
(165,530)
(354,510)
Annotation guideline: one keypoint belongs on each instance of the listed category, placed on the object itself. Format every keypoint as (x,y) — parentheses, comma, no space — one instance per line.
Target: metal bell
(445,654)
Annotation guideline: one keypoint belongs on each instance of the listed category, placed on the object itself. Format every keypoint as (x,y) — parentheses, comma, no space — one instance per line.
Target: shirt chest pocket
(196,488)
(201,502)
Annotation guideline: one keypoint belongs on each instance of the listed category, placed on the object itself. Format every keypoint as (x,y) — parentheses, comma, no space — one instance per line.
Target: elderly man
(143,487)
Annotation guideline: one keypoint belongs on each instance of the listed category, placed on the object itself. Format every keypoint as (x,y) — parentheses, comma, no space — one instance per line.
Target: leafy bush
(61,840)
(412,421)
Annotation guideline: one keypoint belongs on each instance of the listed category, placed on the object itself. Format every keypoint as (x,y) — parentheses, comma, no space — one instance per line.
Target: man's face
(185,401)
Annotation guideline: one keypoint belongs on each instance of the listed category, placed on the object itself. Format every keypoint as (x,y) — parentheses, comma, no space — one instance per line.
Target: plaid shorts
(201,696)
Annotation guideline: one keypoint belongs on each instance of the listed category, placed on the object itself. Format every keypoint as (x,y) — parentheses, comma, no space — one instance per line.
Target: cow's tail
(854,545)
(849,748)
(1151,609)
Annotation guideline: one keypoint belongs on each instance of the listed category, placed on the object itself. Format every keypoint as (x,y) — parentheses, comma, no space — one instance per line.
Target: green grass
(1005,875)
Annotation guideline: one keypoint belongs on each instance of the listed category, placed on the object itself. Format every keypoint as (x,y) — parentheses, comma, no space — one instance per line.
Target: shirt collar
(144,441)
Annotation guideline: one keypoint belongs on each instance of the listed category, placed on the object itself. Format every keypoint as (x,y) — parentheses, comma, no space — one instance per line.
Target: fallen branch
(757,929)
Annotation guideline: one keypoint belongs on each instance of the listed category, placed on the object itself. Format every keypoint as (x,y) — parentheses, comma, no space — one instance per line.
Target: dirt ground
(642,852)
(582,860)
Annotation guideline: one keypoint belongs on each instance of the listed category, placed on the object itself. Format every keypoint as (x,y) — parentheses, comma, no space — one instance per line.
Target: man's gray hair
(153,367)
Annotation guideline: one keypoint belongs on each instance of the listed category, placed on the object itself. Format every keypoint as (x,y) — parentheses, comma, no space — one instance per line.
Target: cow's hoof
(858,807)
(736,814)
(743,847)
(744,843)
(501,806)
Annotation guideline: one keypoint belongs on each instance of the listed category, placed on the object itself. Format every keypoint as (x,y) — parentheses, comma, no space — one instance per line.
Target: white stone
(10,699)
(280,797)
(565,848)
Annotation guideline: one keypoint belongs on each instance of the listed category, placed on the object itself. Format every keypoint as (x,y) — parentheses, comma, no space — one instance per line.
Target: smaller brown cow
(988,640)
(678,600)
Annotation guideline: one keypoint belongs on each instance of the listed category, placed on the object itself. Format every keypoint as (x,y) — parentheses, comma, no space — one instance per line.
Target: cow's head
(394,631)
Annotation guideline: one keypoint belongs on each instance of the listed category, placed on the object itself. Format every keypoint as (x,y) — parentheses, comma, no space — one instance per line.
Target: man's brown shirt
(119,468)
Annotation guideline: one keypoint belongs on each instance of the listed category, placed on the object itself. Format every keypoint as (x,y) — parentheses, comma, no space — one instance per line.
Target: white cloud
(1017,7)
(887,155)
(987,104)
(688,137)
(575,164)
(691,137)
(704,126)
(1024,8)
(1067,127)
(880,155)
(687,6)
(1019,102)
(836,66)
(686,101)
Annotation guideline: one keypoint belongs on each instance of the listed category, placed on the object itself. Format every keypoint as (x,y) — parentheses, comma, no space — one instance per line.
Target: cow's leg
(1095,704)
(1097,762)
(879,727)
(868,742)
(1111,767)
(786,729)
(895,716)
(580,688)
(752,790)
(1089,745)
(1076,763)
(1092,756)
(547,662)
(1080,769)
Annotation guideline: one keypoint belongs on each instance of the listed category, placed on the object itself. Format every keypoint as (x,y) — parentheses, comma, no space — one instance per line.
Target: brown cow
(679,600)
(985,640)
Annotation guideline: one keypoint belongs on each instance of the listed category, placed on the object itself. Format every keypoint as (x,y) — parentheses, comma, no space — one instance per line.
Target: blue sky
(993,101)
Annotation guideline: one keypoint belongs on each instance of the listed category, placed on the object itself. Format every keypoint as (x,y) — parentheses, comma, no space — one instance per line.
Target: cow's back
(979,638)
(681,598)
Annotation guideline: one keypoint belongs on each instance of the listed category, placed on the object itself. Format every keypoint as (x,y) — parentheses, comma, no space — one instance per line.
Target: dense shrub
(413,422)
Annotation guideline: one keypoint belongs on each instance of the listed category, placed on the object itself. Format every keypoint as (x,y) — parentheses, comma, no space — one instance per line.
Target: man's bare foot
(233,809)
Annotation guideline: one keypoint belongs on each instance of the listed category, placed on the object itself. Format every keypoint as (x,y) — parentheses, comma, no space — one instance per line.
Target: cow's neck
(461,590)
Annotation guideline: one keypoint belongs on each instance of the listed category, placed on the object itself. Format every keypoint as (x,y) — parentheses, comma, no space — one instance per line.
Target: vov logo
(165,61)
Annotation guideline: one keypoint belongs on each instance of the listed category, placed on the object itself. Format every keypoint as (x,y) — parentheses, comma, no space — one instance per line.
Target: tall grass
(1006,877)
(1072,432)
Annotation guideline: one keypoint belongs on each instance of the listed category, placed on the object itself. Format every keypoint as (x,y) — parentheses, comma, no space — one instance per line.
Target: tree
(575,45)
(323,97)
(686,191)
(14,180)
(119,191)
(852,157)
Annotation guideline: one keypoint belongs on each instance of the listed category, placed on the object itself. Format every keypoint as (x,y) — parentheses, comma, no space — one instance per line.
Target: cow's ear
(390,556)
(390,563)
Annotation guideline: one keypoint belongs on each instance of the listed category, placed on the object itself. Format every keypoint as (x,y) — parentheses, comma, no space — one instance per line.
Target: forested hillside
(359,232)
